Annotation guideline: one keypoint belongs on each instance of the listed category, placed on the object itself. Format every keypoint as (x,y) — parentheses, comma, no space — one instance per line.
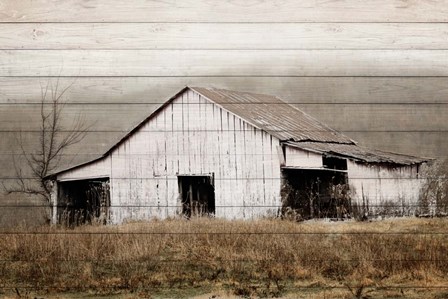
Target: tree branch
(54,139)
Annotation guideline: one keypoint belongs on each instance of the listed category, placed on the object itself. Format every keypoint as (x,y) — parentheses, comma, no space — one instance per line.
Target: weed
(261,258)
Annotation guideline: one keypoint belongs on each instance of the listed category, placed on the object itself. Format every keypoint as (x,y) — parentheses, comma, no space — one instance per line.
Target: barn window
(334,163)
(197,195)
(83,201)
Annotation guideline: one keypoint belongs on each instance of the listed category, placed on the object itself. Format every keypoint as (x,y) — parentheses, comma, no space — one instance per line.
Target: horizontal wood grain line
(226,22)
(103,104)
(219,76)
(376,117)
(267,49)
(292,89)
(223,36)
(425,144)
(224,62)
(204,10)
(30,205)
(37,131)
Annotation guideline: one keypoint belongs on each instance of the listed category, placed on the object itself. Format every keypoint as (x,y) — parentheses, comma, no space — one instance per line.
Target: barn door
(83,201)
(197,195)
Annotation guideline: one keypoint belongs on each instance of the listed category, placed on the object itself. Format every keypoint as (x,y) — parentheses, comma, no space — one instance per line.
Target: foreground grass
(264,258)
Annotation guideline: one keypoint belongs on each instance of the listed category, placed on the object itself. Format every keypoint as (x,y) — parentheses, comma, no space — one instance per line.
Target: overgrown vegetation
(264,258)
(434,194)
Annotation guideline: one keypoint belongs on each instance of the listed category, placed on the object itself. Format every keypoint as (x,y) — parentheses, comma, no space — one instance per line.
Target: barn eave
(359,154)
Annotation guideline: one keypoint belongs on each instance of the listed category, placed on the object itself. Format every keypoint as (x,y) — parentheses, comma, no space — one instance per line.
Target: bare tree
(54,138)
(434,194)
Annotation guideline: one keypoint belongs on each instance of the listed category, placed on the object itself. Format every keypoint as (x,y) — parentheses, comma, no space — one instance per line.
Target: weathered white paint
(190,136)
(54,202)
(375,185)
(300,158)
(100,168)
(378,186)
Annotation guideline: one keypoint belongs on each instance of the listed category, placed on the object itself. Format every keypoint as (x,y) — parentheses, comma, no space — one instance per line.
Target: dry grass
(394,258)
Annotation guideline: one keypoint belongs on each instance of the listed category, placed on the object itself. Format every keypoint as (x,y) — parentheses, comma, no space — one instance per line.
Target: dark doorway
(316,193)
(197,194)
(334,163)
(83,201)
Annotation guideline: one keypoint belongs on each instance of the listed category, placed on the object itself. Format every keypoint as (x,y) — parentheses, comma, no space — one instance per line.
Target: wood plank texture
(348,117)
(224,36)
(376,70)
(224,63)
(338,90)
(223,11)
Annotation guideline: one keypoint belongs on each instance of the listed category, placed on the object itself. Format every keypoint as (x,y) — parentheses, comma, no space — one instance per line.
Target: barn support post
(54,203)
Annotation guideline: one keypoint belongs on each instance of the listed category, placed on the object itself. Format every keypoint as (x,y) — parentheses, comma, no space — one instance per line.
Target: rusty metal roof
(358,153)
(273,115)
(298,129)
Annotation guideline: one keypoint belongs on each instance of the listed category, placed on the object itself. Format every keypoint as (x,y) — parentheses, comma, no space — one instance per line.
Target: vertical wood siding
(380,186)
(377,186)
(301,158)
(99,168)
(194,136)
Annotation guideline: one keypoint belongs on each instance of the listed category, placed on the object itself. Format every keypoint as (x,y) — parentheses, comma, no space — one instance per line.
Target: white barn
(234,155)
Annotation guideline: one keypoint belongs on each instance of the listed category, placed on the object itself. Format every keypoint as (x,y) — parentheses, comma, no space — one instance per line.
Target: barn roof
(282,120)
(358,153)
(273,115)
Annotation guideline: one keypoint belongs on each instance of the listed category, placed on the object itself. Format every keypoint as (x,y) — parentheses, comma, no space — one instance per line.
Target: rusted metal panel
(358,153)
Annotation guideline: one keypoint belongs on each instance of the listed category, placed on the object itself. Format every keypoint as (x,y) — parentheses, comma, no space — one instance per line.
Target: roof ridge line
(319,141)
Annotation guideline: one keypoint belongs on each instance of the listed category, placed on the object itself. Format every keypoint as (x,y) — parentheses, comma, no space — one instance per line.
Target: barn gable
(264,112)
(194,137)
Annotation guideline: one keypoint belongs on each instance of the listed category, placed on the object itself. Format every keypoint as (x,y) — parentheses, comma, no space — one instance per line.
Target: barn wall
(301,158)
(99,168)
(194,136)
(384,188)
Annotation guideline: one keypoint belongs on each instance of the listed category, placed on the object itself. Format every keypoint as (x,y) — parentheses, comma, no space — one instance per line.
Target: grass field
(395,258)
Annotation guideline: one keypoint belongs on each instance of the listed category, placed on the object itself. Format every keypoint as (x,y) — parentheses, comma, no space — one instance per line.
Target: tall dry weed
(253,258)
